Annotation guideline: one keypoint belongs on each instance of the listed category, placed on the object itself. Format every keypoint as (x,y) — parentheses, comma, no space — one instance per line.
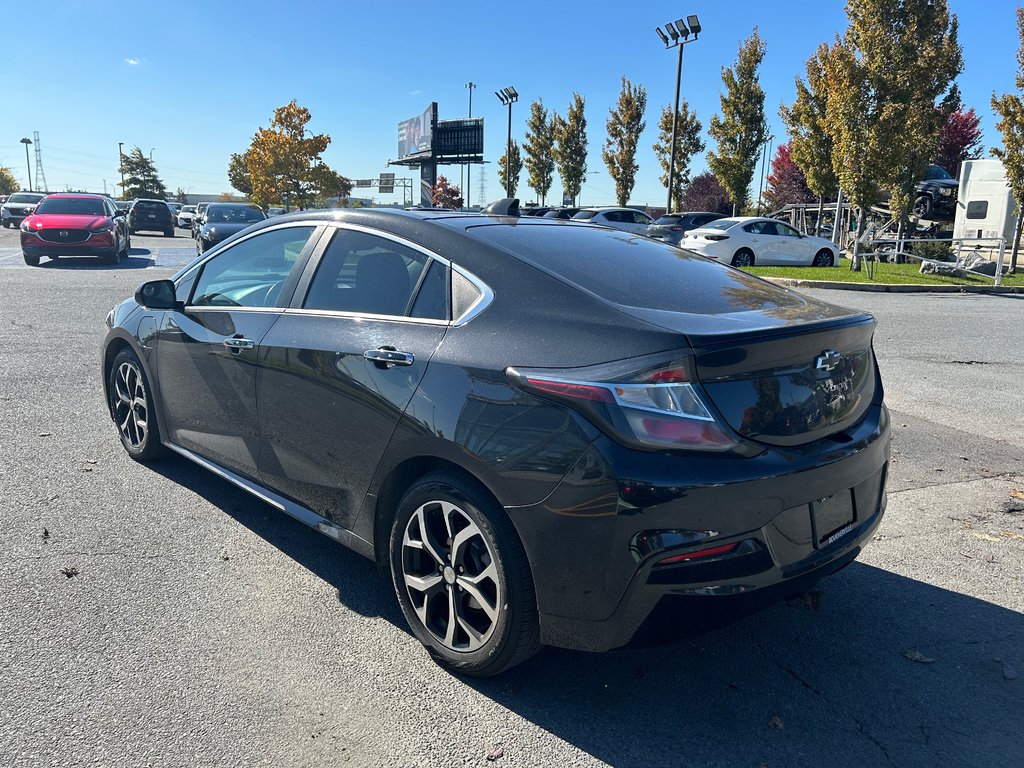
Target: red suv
(75,225)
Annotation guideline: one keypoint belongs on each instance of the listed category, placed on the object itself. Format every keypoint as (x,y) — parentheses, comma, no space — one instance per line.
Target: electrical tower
(40,174)
(482,198)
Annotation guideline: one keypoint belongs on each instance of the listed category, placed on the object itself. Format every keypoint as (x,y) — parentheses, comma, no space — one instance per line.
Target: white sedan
(744,241)
(185,216)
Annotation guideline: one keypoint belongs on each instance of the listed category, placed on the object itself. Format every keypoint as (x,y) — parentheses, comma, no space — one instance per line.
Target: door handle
(388,357)
(237,344)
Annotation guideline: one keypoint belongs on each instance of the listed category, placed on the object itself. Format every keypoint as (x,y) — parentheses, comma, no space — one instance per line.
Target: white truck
(985,207)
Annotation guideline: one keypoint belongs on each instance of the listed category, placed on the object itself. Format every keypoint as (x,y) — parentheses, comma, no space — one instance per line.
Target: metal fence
(870,256)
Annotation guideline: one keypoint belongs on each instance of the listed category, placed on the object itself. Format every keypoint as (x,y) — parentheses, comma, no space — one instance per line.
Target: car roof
(89,195)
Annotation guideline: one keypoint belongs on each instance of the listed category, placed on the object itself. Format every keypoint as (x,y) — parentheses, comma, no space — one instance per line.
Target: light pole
(28,166)
(469,166)
(120,156)
(764,157)
(680,35)
(508,96)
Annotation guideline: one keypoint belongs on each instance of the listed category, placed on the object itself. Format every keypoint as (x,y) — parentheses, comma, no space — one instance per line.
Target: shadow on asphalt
(886,670)
(139,258)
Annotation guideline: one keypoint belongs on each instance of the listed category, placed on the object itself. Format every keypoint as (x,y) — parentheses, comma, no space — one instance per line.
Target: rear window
(584,215)
(632,270)
(149,205)
(668,220)
(721,224)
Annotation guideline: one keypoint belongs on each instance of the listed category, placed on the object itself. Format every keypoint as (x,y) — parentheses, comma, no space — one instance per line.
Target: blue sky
(193,81)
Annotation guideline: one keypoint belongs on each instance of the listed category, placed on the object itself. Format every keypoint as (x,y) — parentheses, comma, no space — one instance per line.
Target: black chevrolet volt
(547,433)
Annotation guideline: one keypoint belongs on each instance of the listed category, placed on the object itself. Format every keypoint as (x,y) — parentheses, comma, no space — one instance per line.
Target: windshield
(24,197)
(233,214)
(936,172)
(188,209)
(722,224)
(81,206)
(584,215)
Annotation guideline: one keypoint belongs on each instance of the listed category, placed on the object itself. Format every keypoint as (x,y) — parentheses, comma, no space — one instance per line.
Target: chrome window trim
(365,316)
(478,306)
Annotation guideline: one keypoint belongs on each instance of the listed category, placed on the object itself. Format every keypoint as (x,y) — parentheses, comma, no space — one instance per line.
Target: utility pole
(120,155)
(469,166)
(28,166)
(680,33)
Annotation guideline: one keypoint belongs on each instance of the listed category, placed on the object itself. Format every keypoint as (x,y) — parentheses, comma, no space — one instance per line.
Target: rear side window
(364,273)
(633,270)
(584,215)
(977,209)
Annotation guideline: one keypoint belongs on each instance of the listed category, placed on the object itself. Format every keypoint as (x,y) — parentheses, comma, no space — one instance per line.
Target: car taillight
(716,238)
(656,406)
(722,549)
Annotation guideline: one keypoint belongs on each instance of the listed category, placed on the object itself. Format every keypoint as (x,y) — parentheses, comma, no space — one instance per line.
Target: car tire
(744,258)
(823,258)
(132,408)
(455,556)
(127,247)
(923,207)
(31,259)
(169,232)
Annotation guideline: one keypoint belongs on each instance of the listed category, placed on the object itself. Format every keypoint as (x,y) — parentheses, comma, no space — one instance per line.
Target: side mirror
(157,294)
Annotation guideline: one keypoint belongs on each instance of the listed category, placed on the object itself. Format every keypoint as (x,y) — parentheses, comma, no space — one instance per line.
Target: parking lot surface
(201,627)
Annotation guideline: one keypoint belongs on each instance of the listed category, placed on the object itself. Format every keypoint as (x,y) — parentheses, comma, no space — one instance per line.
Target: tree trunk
(821,208)
(1016,241)
(862,221)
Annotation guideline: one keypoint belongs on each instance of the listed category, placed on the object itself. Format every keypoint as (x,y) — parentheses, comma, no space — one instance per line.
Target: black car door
(206,353)
(339,367)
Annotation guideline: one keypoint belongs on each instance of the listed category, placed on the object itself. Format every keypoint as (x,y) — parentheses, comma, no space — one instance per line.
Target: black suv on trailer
(151,216)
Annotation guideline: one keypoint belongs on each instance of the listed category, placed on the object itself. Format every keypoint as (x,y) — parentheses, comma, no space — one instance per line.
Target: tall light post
(28,166)
(469,166)
(508,96)
(680,35)
(764,156)
(120,156)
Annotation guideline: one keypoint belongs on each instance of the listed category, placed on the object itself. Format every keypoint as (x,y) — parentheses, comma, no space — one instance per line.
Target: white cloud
(417,92)
(132,61)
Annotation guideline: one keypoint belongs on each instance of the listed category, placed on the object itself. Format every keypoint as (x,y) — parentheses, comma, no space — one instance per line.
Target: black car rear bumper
(796,515)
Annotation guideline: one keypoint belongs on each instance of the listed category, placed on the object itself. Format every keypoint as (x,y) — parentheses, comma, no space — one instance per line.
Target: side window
(364,273)
(785,230)
(756,228)
(432,299)
(977,209)
(641,218)
(251,273)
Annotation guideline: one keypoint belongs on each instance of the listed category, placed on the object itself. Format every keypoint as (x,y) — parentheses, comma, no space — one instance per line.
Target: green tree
(741,129)
(181,195)
(515,167)
(571,146)
(141,179)
(540,141)
(283,159)
(688,143)
(1010,109)
(810,142)
(445,195)
(238,173)
(625,124)
(8,184)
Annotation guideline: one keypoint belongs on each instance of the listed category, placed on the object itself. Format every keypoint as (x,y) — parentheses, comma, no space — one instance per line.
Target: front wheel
(462,577)
(131,408)
(743,258)
(923,206)
(823,258)
(31,259)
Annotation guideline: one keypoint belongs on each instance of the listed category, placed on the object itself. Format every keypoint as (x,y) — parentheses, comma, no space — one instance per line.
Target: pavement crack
(1013,475)
(871,737)
(799,679)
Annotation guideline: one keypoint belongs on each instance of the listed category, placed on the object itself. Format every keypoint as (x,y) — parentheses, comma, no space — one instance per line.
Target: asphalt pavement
(199,627)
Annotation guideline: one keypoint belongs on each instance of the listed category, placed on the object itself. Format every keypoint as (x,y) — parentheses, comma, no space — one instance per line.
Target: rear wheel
(462,577)
(131,408)
(923,206)
(169,232)
(744,258)
(823,258)
(31,259)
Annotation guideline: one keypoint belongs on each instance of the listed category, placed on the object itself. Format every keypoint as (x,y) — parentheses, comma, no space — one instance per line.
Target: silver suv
(628,219)
(19,206)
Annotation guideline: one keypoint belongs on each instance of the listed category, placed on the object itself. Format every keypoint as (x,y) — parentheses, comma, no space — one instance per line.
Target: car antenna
(507,206)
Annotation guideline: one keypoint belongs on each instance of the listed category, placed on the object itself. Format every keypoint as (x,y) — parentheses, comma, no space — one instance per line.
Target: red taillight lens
(593,392)
(722,549)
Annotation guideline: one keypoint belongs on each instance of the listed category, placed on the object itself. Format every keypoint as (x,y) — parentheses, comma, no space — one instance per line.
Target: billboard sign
(463,139)
(415,135)
(387,183)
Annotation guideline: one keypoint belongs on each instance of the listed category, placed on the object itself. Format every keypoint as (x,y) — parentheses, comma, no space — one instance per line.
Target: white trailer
(985,205)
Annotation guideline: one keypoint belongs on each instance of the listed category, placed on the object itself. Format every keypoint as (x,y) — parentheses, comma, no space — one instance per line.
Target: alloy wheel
(450,576)
(131,408)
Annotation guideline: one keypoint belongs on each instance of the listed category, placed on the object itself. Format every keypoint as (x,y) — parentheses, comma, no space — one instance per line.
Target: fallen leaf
(1017,493)
(984,536)
(70,571)
(1012,535)
(1009,672)
(494,753)
(919,657)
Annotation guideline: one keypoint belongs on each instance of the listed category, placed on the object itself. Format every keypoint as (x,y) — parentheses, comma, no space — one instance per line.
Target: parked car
(175,208)
(671,227)
(185,216)
(626,219)
(123,205)
(151,216)
(75,225)
(197,218)
(653,430)
(564,212)
(222,220)
(535,210)
(744,241)
(272,211)
(17,207)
